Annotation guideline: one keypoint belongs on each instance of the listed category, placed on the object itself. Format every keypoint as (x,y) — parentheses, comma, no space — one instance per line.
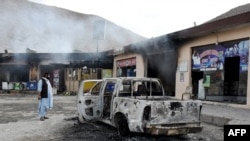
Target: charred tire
(123,129)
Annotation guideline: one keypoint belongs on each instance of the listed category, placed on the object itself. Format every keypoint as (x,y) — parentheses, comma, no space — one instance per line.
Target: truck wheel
(123,129)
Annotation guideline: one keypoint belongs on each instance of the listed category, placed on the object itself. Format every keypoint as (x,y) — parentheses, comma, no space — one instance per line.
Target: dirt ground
(19,119)
(19,122)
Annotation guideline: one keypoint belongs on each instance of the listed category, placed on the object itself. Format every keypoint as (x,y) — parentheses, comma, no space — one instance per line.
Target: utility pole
(99,34)
(97,49)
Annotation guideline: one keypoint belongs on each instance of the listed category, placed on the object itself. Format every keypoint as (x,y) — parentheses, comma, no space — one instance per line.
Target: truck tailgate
(175,112)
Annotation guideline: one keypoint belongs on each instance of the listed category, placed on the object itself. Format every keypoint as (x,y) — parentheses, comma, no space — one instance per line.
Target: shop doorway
(163,66)
(196,76)
(231,76)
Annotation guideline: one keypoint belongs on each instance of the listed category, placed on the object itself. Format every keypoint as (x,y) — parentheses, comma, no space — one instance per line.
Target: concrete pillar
(248,81)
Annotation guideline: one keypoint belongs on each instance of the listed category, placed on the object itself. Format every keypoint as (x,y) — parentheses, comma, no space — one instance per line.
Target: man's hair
(45,74)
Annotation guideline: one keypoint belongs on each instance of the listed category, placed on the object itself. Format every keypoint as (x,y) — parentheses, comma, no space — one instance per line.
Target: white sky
(150,18)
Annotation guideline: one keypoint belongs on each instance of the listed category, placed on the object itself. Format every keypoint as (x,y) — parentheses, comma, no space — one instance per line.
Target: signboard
(213,57)
(183,66)
(181,77)
(126,62)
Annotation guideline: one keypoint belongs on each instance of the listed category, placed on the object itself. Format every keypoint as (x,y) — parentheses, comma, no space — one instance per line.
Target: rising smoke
(45,29)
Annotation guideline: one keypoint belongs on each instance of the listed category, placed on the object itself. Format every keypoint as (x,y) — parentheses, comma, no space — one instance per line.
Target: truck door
(88,100)
(108,91)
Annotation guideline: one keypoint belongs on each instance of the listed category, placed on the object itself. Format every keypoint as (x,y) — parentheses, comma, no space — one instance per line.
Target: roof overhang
(104,59)
(168,41)
(211,27)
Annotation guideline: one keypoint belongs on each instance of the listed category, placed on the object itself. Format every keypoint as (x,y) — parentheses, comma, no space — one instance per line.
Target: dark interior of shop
(231,77)
(164,71)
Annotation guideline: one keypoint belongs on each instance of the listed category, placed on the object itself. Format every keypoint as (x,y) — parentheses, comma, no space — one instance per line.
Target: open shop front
(219,72)
(126,67)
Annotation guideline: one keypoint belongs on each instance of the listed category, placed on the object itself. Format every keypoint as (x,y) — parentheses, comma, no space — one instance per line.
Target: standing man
(45,96)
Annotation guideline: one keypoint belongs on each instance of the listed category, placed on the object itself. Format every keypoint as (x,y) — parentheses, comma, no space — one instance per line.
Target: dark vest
(44,91)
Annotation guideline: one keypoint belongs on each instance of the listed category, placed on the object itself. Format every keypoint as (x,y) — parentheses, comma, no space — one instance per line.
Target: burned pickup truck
(139,105)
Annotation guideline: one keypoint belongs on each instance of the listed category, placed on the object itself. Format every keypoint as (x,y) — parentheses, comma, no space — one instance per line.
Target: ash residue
(97,131)
(91,131)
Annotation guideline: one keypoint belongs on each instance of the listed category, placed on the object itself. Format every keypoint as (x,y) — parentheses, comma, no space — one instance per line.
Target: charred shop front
(219,72)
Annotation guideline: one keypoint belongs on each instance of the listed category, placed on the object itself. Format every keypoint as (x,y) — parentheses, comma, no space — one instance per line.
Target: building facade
(217,66)
(211,58)
(129,65)
(155,57)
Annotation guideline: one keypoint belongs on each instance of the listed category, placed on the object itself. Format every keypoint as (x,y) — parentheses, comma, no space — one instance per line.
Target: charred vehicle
(137,105)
